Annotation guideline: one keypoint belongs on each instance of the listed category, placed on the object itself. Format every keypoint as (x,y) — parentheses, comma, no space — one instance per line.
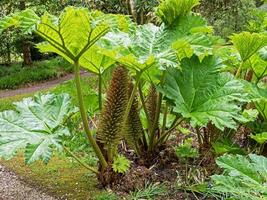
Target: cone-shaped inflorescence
(134,128)
(112,115)
(151,104)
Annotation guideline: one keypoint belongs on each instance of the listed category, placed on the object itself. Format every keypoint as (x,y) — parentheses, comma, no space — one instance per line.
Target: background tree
(227,16)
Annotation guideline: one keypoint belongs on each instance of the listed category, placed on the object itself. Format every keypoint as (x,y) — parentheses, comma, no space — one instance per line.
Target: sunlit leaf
(247,44)
(202,94)
(36,126)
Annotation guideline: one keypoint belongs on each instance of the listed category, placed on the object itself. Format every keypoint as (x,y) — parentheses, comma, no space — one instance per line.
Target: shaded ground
(14,188)
(38,86)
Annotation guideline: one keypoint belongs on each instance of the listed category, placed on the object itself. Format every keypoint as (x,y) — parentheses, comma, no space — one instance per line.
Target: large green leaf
(247,44)
(260,137)
(26,20)
(36,125)
(243,178)
(70,35)
(152,45)
(202,94)
(96,62)
(170,10)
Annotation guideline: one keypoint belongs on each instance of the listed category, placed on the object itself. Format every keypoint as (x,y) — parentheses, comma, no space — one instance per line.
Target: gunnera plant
(134,129)
(110,126)
(151,104)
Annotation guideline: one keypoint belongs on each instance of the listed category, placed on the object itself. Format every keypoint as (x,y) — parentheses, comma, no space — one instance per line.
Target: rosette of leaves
(121,164)
(37,125)
(243,178)
(201,93)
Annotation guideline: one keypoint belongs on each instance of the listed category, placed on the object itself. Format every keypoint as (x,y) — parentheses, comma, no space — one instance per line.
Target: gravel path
(38,86)
(12,188)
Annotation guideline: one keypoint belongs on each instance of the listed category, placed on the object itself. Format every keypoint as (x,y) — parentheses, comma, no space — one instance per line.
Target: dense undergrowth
(181,105)
(15,76)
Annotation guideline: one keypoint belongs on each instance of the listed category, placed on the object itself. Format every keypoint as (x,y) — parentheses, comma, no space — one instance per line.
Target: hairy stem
(144,106)
(130,102)
(165,114)
(100,91)
(153,129)
(80,161)
(166,134)
(238,72)
(198,136)
(84,116)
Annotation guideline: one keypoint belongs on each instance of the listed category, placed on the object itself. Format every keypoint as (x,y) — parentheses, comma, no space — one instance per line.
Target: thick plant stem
(165,114)
(80,162)
(166,134)
(144,106)
(100,91)
(238,72)
(153,129)
(198,135)
(84,117)
(130,102)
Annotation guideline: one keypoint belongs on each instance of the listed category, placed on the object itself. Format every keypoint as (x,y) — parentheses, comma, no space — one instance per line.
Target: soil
(38,86)
(13,188)
(167,169)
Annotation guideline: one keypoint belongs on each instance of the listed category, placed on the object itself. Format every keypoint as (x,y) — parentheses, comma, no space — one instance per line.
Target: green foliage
(227,17)
(247,44)
(121,164)
(242,178)
(186,150)
(226,145)
(261,138)
(71,35)
(250,115)
(170,10)
(202,94)
(37,125)
(15,76)
(149,48)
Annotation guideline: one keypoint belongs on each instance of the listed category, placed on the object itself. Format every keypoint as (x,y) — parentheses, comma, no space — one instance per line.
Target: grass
(16,76)
(151,191)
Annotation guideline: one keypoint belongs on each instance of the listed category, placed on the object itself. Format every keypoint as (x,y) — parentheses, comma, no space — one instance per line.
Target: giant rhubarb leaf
(247,44)
(37,125)
(202,94)
(71,35)
(243,178)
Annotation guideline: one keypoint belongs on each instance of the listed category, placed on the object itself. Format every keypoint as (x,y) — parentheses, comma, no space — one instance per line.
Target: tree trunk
(27,60)
(132,9)
(8,54)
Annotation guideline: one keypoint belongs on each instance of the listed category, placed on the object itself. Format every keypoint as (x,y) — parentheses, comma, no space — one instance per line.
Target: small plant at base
(121,164)
(186,150)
